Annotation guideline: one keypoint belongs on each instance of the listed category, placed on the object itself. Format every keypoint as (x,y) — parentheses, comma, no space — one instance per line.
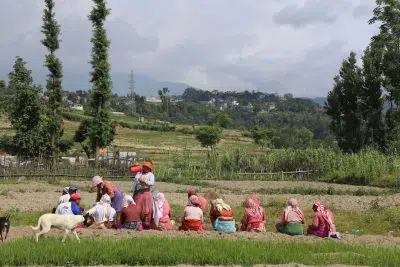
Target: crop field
(368,217)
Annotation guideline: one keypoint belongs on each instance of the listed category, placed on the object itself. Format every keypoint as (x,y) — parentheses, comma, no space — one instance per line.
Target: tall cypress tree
(387,14)
(343,106)
(100,129)
(26,112)
(371,96)
(54,130)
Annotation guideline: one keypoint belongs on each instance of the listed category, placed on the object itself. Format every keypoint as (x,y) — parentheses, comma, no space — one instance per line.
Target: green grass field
(158,251)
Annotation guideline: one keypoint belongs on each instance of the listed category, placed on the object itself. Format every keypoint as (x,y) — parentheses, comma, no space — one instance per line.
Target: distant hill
(144,85)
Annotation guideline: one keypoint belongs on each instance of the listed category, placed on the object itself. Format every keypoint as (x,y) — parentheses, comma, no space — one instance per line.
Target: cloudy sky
(269,45)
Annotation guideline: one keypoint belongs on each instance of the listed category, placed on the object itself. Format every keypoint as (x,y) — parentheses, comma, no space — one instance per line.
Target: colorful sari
(254,218)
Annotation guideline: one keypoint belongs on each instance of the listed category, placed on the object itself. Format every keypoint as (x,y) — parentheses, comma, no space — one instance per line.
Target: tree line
(37,122)
(356,102)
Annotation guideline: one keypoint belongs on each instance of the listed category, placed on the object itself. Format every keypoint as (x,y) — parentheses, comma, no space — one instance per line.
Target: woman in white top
(102,213)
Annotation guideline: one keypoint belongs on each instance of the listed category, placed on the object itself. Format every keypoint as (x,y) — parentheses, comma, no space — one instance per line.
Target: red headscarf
(192,193)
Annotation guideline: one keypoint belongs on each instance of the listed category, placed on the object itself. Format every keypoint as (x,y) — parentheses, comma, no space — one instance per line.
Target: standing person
(292,219)
(142,193)
(222,216)
(71,207)
(254,218)
(107,187)
(193,216)
(102,213)
(323,224)
(130,215)
(161,213)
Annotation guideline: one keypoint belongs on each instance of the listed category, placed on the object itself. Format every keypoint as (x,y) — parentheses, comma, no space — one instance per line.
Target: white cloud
(225,44)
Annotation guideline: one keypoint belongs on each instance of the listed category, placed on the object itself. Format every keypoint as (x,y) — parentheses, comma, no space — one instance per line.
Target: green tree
(26,112)
(51,31)
(209,136)
(387,14)
(100,129)
(220,119)
(371,103)
(4,97)
(344,107)
(262,137)
(165,101)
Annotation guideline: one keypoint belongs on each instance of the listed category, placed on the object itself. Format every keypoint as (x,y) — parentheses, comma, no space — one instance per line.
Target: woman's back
(193,213)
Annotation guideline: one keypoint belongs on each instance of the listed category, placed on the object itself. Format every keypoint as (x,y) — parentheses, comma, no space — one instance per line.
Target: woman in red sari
(193,216)
(254,218)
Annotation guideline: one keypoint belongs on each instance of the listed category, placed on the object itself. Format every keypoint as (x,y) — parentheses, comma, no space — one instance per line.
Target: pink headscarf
(253,206)
(293,206)
(325,214)
(194,201)
(96,180)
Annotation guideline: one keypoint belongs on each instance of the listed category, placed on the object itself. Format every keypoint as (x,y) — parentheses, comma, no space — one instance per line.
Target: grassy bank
(159,251)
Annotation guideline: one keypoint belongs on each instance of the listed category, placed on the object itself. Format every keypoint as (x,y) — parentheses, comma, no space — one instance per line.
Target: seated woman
(193,216)
(254,218)
(71,207)
(130,215)
(222,217)
(102,213)
(323,224)
(161,213)
(292,219)
(202,200)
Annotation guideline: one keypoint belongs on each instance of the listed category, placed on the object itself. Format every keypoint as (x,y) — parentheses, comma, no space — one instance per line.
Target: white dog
(62,222)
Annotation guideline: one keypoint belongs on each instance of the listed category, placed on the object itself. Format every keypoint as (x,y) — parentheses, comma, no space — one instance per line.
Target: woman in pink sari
(254,218)
(323,224)
(161,213)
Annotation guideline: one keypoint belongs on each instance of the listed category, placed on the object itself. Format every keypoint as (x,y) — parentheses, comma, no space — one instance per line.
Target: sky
(284,46)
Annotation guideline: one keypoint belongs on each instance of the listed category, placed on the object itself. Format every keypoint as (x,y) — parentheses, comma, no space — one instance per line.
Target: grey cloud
(362,11)
(313,11)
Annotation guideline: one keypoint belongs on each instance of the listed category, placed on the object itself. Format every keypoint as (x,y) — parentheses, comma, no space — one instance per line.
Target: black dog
(4,227)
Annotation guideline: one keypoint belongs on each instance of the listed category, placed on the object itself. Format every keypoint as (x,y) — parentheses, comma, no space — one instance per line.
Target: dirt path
(27,232)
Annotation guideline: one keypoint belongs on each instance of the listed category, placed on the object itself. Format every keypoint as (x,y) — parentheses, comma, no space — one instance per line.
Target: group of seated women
(149,209)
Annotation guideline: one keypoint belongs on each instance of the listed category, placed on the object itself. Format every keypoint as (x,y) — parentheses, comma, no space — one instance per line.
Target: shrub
(209,136)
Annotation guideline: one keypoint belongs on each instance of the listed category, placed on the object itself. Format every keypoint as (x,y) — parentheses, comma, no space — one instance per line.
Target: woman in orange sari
(254,218)
(193,216)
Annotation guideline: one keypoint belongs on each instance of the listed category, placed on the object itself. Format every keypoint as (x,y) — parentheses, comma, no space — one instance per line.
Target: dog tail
(38,226)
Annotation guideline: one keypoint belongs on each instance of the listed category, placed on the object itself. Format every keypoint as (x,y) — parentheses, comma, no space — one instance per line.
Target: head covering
(75,196)
(194,201)
(66,190)
(128,200)
(191,193)
(72,189)
(252,205)
(325,214)
(293,207)
(149,165)
(105,199)
(219,204)
(158,207)
(293,203)
(96,180)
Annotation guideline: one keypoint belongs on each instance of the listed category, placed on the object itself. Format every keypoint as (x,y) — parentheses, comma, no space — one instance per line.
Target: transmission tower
(132,89)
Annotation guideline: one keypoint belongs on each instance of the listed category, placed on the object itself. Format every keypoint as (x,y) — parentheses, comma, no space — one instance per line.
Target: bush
(209,136)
